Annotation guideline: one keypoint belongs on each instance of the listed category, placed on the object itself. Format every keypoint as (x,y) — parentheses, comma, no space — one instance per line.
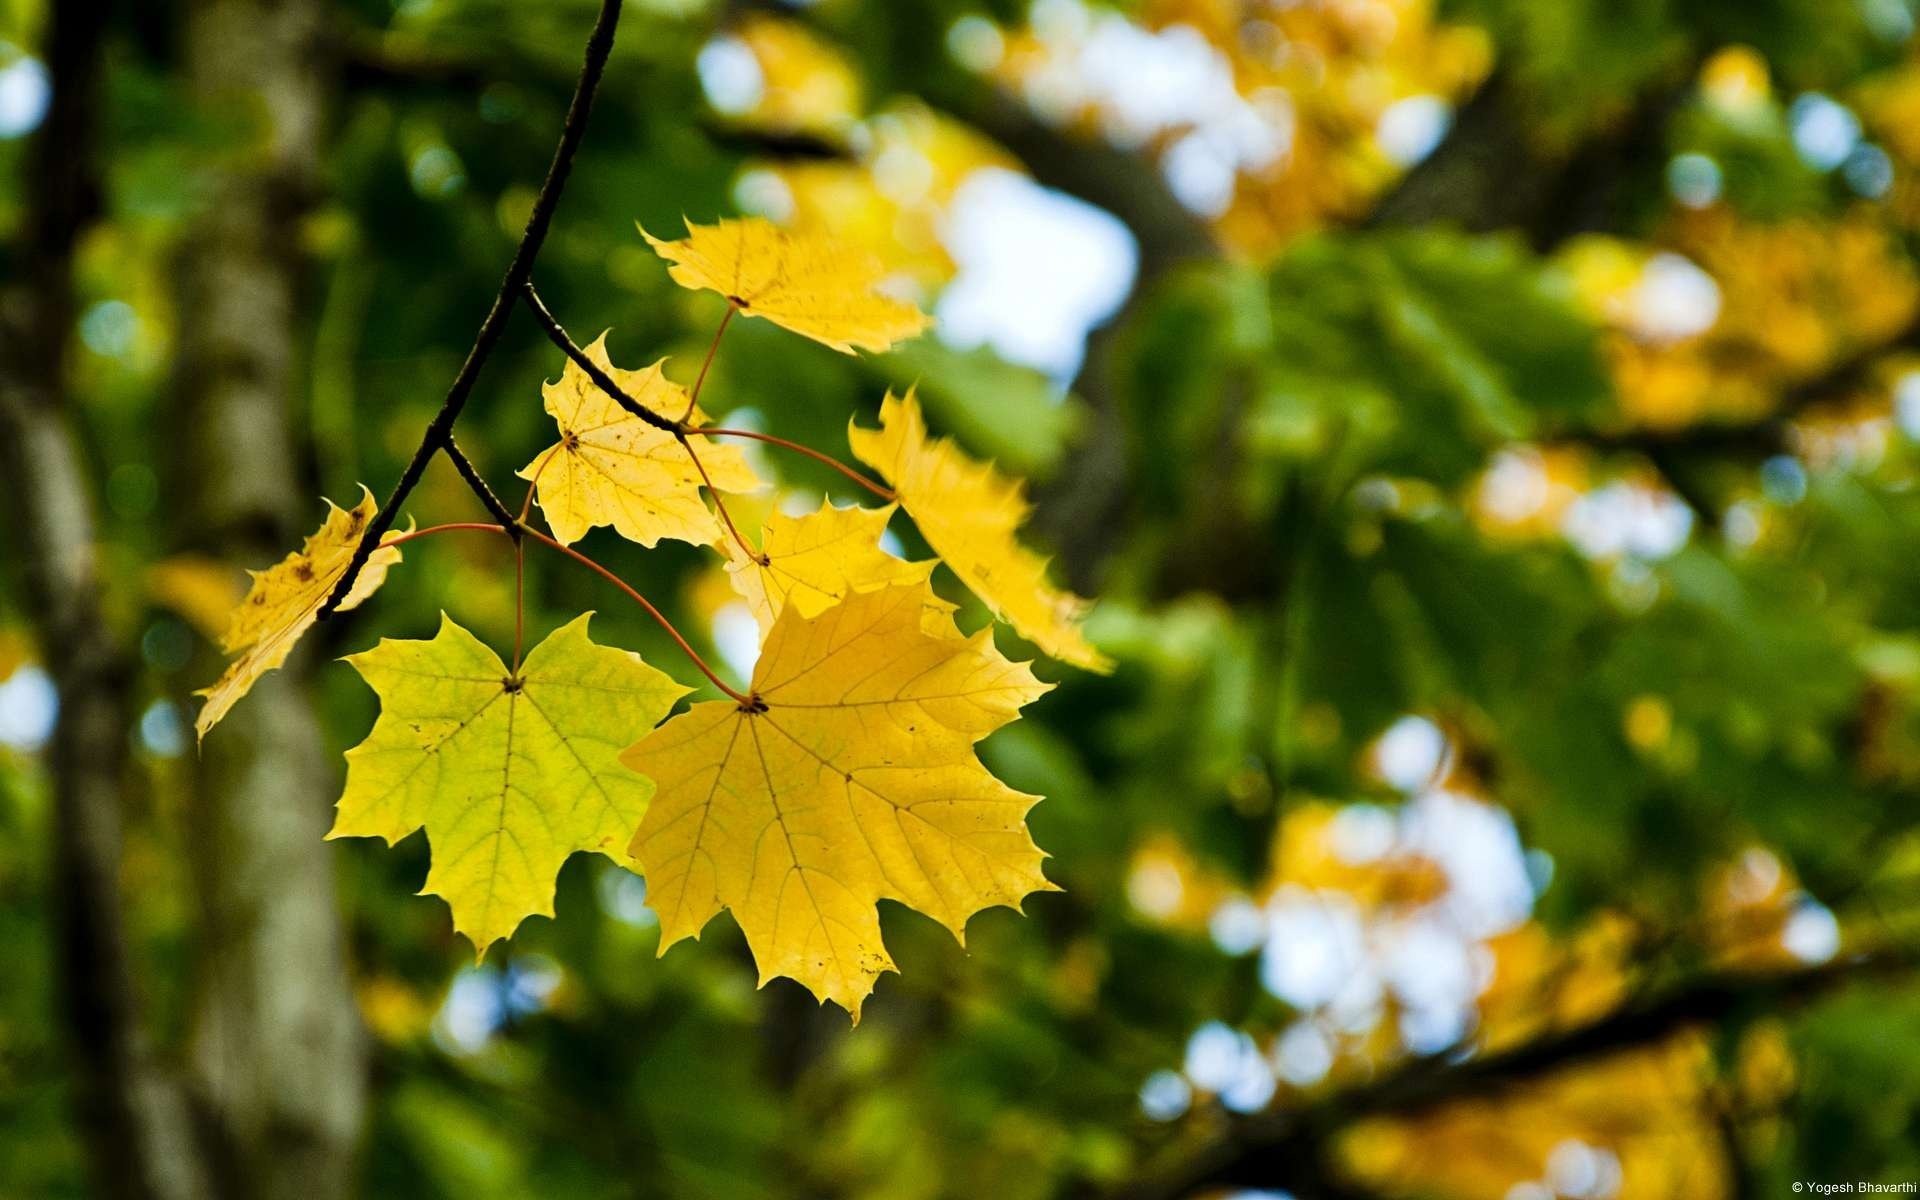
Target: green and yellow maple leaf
(285,599)
(509,773)
(971,515)
(850,779)
(817,289)
(815,561)
(612,468)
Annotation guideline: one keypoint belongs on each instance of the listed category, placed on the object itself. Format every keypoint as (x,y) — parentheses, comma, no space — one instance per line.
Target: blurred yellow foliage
(1307,855)
(202,590)
(1648,723)
(904,162)
(1889,105)
(806,85)
(1745,909)
(1525,491)
(15,652)
(1542,983)
(1639,1126)
(1798,294)
(1315,80)
(395,1012)
(1737,81)
(1789,299)
(892,198)
(1169,887)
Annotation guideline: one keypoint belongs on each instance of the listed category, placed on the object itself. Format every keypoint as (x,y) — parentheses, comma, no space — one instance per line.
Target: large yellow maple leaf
(813,562)
(849,779)
(816,288)
(284,599)
(509,773)
(612,468)
(971,515)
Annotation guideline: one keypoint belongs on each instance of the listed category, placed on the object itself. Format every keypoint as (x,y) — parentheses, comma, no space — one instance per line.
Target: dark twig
(471,474)
(439,433)
(557,334)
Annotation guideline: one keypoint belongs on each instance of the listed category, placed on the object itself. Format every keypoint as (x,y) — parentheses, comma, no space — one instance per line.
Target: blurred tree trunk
(1491,172)
(278,1053)
(132,1120)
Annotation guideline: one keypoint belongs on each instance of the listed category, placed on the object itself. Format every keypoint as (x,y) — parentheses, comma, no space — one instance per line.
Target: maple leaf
(284,600)
(611,468)
(971,515)
(508,773)
(817,289)
(815,561)
(850,778)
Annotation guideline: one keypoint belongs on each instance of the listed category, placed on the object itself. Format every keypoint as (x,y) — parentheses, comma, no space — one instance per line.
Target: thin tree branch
(557,334)
(726,518)
(1260,1150)
(439,433)
(886,494)
(745,700)
(471,474)
(713,348)
(680,429)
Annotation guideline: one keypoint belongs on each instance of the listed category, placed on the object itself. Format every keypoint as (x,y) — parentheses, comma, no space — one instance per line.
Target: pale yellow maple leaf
(815,561)
(971,515)
(508,772)
(284,600)
(850,778)
(612,468)
(816,288)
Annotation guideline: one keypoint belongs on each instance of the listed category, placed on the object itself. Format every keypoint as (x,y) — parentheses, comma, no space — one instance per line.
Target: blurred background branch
(1262,1151)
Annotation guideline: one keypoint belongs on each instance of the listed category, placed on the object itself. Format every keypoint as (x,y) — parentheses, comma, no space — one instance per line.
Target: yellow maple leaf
(284,599)
(971,515)
(509,773)
(851,778)
(815,561)
(818,289)
(611,468)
